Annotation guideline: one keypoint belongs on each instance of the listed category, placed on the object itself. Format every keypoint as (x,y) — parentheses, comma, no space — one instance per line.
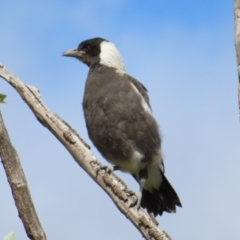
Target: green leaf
(10,236)
(2,97)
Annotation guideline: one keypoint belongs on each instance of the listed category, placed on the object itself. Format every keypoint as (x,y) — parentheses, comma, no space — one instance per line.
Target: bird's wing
(141,88)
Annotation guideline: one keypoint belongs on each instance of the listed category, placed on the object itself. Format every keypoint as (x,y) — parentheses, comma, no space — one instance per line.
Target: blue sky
(183,52)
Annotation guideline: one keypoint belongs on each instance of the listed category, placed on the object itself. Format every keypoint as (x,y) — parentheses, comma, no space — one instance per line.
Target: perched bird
(121,125)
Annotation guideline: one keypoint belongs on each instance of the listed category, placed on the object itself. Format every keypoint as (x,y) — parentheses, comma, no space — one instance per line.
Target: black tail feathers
(163,199)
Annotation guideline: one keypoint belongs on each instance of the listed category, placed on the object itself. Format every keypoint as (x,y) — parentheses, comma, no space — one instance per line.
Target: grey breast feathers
(116,119)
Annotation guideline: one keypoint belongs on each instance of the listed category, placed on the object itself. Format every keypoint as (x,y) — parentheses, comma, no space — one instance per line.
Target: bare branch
(237,43)
(110,183)
(19,186)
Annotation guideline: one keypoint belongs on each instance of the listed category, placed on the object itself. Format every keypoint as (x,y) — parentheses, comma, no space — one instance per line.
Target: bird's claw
(136,199)
(106,168)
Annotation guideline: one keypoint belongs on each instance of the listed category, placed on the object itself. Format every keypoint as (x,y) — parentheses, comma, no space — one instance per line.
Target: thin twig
(237,43)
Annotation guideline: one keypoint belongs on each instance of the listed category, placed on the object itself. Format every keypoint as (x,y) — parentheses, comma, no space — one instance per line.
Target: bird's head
(97,50)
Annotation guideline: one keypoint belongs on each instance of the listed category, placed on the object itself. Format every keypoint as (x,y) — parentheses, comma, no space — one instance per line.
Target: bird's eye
(87,48)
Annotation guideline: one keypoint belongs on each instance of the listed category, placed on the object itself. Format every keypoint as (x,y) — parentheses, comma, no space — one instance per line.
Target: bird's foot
(94,162)
(106,168)
(136,199)
(136,202)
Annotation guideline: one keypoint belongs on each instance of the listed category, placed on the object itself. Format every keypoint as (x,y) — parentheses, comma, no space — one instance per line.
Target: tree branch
(237,43)
(19,186)
(110,183)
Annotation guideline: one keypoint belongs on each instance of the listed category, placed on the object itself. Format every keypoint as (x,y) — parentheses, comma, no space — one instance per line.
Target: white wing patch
(143,102)
(110,56)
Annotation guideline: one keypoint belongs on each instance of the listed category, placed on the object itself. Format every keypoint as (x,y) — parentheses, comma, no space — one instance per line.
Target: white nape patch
(154,178)
(110,56)
(143,102)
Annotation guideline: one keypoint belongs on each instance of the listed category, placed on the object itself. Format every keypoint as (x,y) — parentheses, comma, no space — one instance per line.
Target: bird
(121,125)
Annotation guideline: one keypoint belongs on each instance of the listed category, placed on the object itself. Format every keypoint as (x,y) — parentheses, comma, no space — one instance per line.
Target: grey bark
(109,182)
(19,186)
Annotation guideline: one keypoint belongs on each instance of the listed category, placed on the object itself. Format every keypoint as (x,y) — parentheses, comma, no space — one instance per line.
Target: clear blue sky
(183,52)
